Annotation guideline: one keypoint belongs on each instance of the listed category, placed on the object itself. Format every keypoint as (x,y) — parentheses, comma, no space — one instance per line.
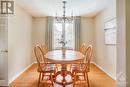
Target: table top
(57,56)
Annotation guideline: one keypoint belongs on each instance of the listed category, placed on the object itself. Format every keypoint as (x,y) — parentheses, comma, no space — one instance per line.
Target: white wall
(39,27)
(105,55)
(19,42)
(87,30)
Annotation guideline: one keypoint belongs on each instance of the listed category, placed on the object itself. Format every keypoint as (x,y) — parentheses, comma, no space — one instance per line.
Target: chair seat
(78,67)
(48,68)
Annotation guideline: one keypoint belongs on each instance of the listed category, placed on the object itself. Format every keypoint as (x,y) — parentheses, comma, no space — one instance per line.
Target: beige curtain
(48,33)
(77,23)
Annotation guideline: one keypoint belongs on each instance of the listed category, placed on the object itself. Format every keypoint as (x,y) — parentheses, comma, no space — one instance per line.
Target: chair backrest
(44,48)
(88,57)
(39,56)
(83,48)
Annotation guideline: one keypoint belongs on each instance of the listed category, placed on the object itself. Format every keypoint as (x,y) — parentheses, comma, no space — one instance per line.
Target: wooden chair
(44,68)
(45,50)
(83,50)
(83,68)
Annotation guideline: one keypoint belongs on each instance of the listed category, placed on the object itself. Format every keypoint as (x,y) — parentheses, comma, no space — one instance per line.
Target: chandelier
(64,18)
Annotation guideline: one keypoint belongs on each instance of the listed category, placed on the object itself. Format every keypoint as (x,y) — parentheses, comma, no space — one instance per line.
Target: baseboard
(3,83)
(16,76)
(114,78)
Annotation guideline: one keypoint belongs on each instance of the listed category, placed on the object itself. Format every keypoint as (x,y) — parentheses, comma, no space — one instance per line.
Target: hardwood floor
(97,78)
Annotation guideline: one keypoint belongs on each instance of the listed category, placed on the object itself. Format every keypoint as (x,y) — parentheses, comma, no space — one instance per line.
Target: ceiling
(41,8)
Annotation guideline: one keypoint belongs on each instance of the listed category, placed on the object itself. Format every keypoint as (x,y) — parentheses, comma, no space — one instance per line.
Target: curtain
(48,33)
(77,23)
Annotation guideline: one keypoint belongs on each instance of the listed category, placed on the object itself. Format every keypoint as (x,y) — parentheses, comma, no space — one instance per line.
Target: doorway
(3,51)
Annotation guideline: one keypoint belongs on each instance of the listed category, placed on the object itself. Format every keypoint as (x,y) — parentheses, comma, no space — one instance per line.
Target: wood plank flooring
(97,78)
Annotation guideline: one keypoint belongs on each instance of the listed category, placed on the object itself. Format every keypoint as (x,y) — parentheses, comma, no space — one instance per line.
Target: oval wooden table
(64,58)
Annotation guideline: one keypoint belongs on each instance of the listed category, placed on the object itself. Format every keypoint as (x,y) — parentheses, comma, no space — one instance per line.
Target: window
(69,35)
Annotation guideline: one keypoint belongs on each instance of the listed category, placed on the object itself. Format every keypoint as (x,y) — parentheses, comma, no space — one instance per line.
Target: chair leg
(56,70)
(51,79)
(39,79)
(74,75)
(42,76)
(87,80)
(84,76)
(70,67)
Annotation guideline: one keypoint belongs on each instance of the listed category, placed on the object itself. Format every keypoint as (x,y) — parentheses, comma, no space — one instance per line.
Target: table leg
(64,73)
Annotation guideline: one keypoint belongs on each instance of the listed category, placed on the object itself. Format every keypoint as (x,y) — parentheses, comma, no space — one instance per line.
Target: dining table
(64,76)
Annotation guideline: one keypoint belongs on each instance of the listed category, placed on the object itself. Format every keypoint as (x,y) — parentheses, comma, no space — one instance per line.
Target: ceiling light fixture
(64,18)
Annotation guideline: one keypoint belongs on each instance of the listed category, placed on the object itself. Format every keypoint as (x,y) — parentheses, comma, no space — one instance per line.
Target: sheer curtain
(49,32)
(69,35)
(77,26)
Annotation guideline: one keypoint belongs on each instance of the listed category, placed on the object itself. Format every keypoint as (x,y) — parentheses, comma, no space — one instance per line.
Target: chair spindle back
(39,56)
(88,57)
